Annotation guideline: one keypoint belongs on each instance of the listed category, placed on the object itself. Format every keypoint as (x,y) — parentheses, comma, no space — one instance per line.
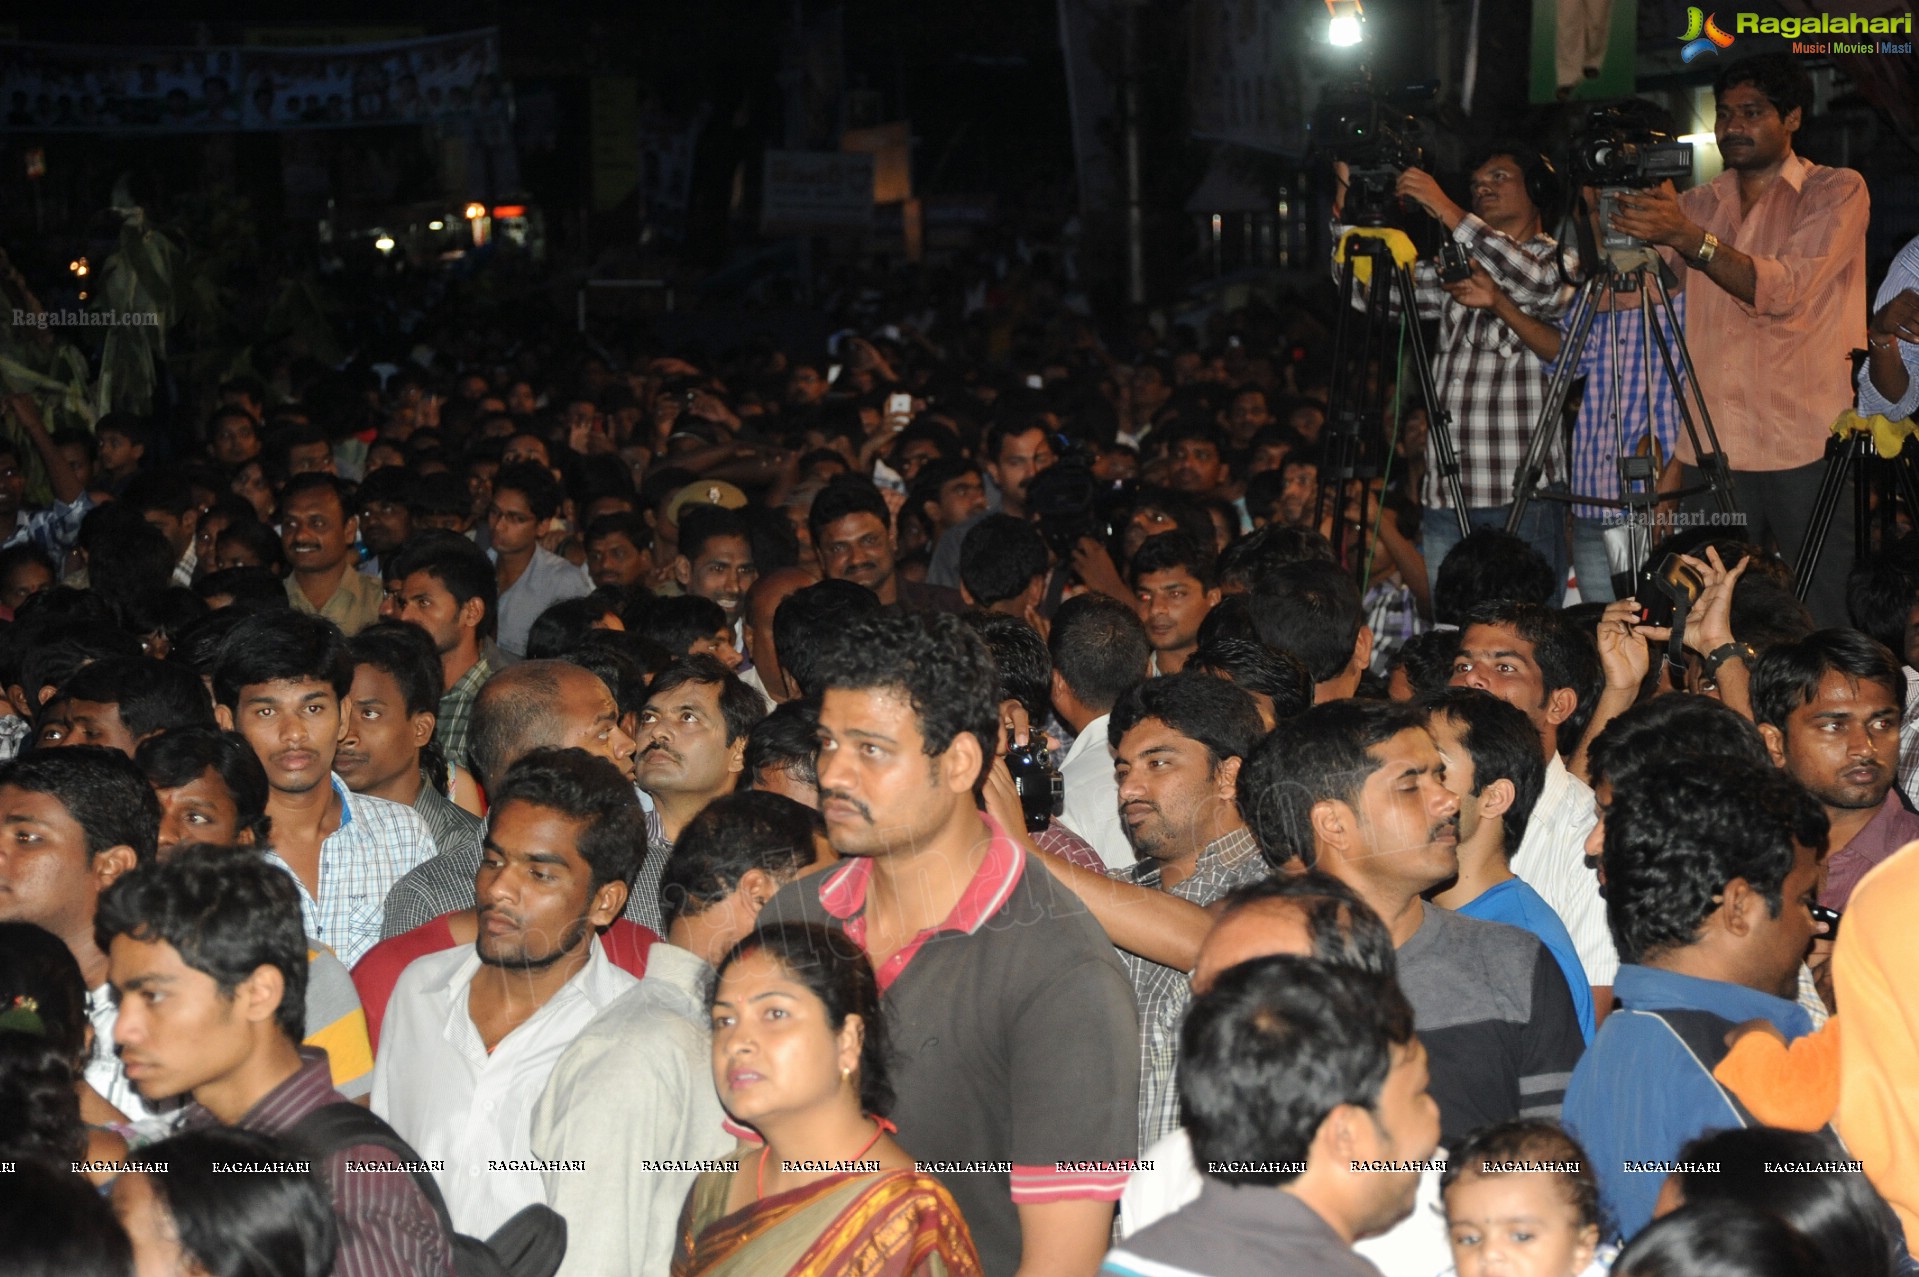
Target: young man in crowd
(447,588)
(318,527)
(853,537)
(1312,609)
(122,701)
(1100,651)
(530,578)
(619,551)
(1172,577)
(716,560)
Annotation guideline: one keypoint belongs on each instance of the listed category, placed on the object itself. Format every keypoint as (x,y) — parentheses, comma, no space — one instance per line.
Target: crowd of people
(908,813)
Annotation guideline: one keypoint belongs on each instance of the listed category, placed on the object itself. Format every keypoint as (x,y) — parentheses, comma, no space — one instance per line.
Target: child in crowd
(1521,1201)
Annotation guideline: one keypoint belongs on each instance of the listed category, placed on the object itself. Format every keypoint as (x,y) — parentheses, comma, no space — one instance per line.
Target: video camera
(1625,147)
(1377,139)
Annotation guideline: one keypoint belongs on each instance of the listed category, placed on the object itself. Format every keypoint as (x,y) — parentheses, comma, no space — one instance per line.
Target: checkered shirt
(454,723)
(54,529)
(1161,993)
(377,842)
(1596,446)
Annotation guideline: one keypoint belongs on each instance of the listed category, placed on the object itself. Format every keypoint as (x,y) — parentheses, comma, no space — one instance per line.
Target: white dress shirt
(634,1089)
(1552,861)
(446,1096)
(1091,808)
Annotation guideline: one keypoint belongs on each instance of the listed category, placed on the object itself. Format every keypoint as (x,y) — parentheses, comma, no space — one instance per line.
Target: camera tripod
(1353,447)
(1627,270)
(1854,454)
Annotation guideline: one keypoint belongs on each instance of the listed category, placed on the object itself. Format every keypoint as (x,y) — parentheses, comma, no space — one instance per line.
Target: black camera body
(1376,140)
(1455,267)
(1042,791)
(1624,148)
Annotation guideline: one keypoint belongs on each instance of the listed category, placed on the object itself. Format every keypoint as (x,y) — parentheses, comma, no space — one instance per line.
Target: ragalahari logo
(1702,35)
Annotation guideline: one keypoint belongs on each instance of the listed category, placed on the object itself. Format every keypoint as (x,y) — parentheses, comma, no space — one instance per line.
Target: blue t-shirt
(1517,905)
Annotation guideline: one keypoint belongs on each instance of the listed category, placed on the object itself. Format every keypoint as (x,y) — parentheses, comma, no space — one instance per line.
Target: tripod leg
(1712,460)
(1585,307)
(1439,432)
(1831,485)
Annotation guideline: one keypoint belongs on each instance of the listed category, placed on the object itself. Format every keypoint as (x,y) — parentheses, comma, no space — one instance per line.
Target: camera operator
(1782,242)
(1487,379)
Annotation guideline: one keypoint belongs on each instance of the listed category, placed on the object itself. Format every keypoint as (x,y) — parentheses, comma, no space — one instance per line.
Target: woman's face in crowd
(774,1048)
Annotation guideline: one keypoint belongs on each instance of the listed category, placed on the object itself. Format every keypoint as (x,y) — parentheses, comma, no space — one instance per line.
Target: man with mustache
(1357,789)
(853,536)
(472,1034)
(692,749)
(1828,708)
(318,528)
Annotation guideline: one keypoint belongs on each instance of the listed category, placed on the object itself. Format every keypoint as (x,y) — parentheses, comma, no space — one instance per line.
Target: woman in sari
(799,1054)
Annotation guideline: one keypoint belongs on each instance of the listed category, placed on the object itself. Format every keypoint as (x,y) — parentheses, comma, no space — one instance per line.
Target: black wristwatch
(1723,653)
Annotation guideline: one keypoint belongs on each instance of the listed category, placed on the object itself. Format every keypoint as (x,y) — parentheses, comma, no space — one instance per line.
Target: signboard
(816,193)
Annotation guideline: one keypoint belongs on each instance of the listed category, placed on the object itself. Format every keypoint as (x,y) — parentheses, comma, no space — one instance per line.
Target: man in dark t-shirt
(1015,1040)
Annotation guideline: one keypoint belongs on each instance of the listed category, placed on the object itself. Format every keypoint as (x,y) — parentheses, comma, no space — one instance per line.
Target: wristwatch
(1877,342)
(1723,653)
(1707,247)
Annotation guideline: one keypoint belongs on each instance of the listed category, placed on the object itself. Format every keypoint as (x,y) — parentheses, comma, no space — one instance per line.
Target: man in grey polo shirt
(1011,1016)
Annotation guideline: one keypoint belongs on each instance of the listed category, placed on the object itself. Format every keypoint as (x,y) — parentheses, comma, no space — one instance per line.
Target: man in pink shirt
(1781,243)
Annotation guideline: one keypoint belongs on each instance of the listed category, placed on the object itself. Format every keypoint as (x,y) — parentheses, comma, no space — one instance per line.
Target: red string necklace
(880,1127)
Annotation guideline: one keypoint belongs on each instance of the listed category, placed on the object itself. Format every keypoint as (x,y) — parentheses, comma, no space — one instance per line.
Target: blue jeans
(1543,528)
(1590,564)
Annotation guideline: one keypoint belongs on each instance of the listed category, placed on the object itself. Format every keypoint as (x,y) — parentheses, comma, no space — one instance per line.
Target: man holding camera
(1487,378)
(1782,244)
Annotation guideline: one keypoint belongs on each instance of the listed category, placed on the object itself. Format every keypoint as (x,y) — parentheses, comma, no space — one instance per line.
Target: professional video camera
(1624,147)
(1376,139)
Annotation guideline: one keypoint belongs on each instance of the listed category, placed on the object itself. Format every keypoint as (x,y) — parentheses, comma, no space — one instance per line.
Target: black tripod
(1353,447)
(1855,455)
(1634,270)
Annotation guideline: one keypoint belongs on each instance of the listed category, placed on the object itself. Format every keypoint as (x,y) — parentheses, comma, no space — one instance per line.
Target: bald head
(1257,930)
(1307,915)
(540,704)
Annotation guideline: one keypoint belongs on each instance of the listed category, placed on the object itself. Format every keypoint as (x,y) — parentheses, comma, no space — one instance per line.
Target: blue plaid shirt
(54,529)
(377,842)
(1595,444)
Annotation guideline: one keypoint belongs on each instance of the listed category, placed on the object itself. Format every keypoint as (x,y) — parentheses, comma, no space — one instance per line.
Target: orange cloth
(1794,1085)
(1876,980)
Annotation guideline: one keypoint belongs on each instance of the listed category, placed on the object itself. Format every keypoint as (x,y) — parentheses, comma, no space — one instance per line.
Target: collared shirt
(1613,362)
(54,529)
(1552,861)
(1640,1093)
(548,579)
(1162,993)
(1908,735)
(1900,276)
(1014,1028)
(1238,1230)
(636,1087)
(387,1226)
(436,1082)
(105,1074)
(1778,372)
(1485,375)
(183,570)
(454,724)
(353,605)
(450,824)
(376,843)
(1091,808)
(1890,828)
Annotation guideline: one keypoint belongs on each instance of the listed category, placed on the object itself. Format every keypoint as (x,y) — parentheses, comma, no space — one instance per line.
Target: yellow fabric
(348,1047)
(1876,981)
(1888,437)
(1404,254)
(1795,1086)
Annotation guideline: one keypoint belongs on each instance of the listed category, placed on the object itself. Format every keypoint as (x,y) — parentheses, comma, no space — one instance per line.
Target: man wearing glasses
(530,578)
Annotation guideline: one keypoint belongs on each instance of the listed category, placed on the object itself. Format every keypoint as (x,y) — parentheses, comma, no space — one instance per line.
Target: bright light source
(504,211)
(384,243)
(436,226)
(1343,27)
(474,212)
(1701,139)
(78,266)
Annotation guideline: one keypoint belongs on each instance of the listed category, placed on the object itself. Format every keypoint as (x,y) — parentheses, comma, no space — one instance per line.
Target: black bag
(530,1244)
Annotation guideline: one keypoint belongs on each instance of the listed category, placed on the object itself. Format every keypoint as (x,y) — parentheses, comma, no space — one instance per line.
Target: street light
(1344,23)
(384,243)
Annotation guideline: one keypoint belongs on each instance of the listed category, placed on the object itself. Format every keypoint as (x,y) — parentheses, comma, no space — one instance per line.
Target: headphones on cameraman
(1542,179)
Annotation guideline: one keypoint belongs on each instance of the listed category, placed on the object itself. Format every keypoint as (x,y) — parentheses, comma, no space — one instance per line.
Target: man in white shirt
(636,1088)
(1100,650)
(471,1036)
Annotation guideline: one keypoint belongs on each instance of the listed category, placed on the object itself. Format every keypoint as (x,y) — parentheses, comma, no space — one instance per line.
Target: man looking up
(1781,243)
(1034,1022)
(1711,872)
(1528,656)
(471,1035)
(279,683)
(530,577)
(1172,577)
(318,528)
(447,589)
(1357,789)
(1177,746)
(210,967)
(1829,708)
(853,536)
(1100,651)
(1015,452)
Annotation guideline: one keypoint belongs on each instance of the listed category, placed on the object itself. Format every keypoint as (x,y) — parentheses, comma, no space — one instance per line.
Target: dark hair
(126,555)
(150,695)
(275,646)
(1657,735)
(225,910)
(1718,1239)
(1427,659)
(1838,1212)
(1567,656)
(1777,75)
(1676,837)
(740,706)
(1312,609)
(250,589)
(943,666)
(563,625)
(1172,552)
(783,741)
(406,653)
(320,481)
(999,557)
(1019,653)
(100,788)
(457,564)
(160,491)
(39,1108)
(1320,755)
(1787,676)
(534,482)
(1251,666)
(702,523)
(806,619)
(1490,565)
(623,661)
(677,622)
(586,788)
(36,964)
(1009,427)
(1503,745)
(836,971)
(1530,1141)
(1880,594)
(1765,613)
(240,1206)
(166,612)
(623,523)
(843,495)
(181,755)
(1199,707)
(1248,560)
(258,539)
(728,838)
(1343,929)
(1099,648)
(58,1225)
(1271,1050)
(15,557)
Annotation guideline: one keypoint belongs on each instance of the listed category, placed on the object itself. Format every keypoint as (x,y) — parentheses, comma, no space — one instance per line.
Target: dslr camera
(1377,140)
(1626,147)
(1042,791)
